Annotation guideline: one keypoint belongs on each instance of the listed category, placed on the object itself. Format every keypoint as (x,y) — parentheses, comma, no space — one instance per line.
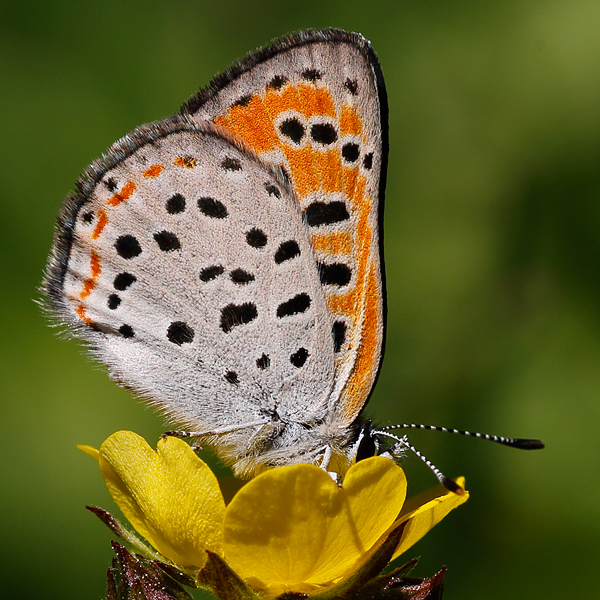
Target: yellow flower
(289,529)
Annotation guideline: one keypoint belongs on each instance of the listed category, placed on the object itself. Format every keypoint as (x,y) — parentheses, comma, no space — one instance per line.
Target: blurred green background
(493,266)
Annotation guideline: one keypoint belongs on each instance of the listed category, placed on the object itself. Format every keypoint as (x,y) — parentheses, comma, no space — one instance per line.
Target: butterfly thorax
(278,443)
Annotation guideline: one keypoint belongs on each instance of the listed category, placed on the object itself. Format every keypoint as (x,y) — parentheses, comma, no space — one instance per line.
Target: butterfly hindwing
(184,262)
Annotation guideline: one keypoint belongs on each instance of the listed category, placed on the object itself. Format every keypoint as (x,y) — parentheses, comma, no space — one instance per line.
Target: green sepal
(117,528)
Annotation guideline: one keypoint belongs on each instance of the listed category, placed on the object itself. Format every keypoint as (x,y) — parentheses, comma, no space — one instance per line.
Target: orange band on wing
(252,123)
(315,170)
(80,311)
(123,195)
(337,243)
(154,171)
(189,162)
(90,283)
(255,120)
(350,121)
(360,381)
(100,224)
(305,99)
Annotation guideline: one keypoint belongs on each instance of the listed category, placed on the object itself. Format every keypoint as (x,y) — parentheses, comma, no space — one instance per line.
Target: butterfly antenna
(521,443)
(445,481)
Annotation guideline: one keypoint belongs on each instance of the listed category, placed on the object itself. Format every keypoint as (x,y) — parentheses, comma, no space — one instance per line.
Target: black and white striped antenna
(521,443)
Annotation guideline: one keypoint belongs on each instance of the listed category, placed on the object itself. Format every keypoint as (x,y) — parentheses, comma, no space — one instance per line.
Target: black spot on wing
(277,82)
(263,362)
(338,274)
(212,272)
(368,161)
(298,304)
(350,152)
(232,377)
(111,184)
(231,164)
(325,213)
(212,208)
(352,86)
(233,315)
(338,331)
(287,251)
(128,247)
(167,241)
(123,281)
(113,301)
(256,238)
(126,331)
(311,74)
(273,190)
(180,333)
(243,100)
(299,357)
(88,218)
(293,129)
(241,277)
(323,133)
(175,204)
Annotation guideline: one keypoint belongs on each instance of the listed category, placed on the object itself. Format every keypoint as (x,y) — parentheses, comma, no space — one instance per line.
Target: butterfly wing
(185,263)
(315,104)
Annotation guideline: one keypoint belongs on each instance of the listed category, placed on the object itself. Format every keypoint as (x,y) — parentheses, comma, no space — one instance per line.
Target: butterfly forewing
(314,104)
(185,262)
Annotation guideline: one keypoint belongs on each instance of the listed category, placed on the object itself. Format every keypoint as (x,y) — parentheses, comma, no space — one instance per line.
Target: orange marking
(360,381)
(252,123)
(348,304)
(303,173)
(330,170)
(354,188)
(338,242)
(255,122)
(123,195)
(154,171)
(80,310)
(350,121)
(315,170)
(100,224)
(189,162)
(315,101)
(278,101)
(308,100)
(90,283)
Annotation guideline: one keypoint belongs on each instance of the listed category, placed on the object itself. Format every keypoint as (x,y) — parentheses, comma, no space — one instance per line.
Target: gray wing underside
(225,321)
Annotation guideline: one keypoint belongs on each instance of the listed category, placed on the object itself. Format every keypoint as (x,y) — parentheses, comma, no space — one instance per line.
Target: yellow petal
(293,528)
(426,511)
(170,496)
(90,451)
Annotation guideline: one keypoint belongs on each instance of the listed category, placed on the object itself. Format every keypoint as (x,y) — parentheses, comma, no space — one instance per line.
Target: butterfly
(226,263)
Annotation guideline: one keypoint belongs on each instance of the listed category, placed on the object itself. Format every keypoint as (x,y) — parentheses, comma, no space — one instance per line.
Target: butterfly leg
(326,458)
(216,431)
(327,454)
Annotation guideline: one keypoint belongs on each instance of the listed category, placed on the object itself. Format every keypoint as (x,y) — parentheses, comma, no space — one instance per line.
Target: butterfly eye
(367,445)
